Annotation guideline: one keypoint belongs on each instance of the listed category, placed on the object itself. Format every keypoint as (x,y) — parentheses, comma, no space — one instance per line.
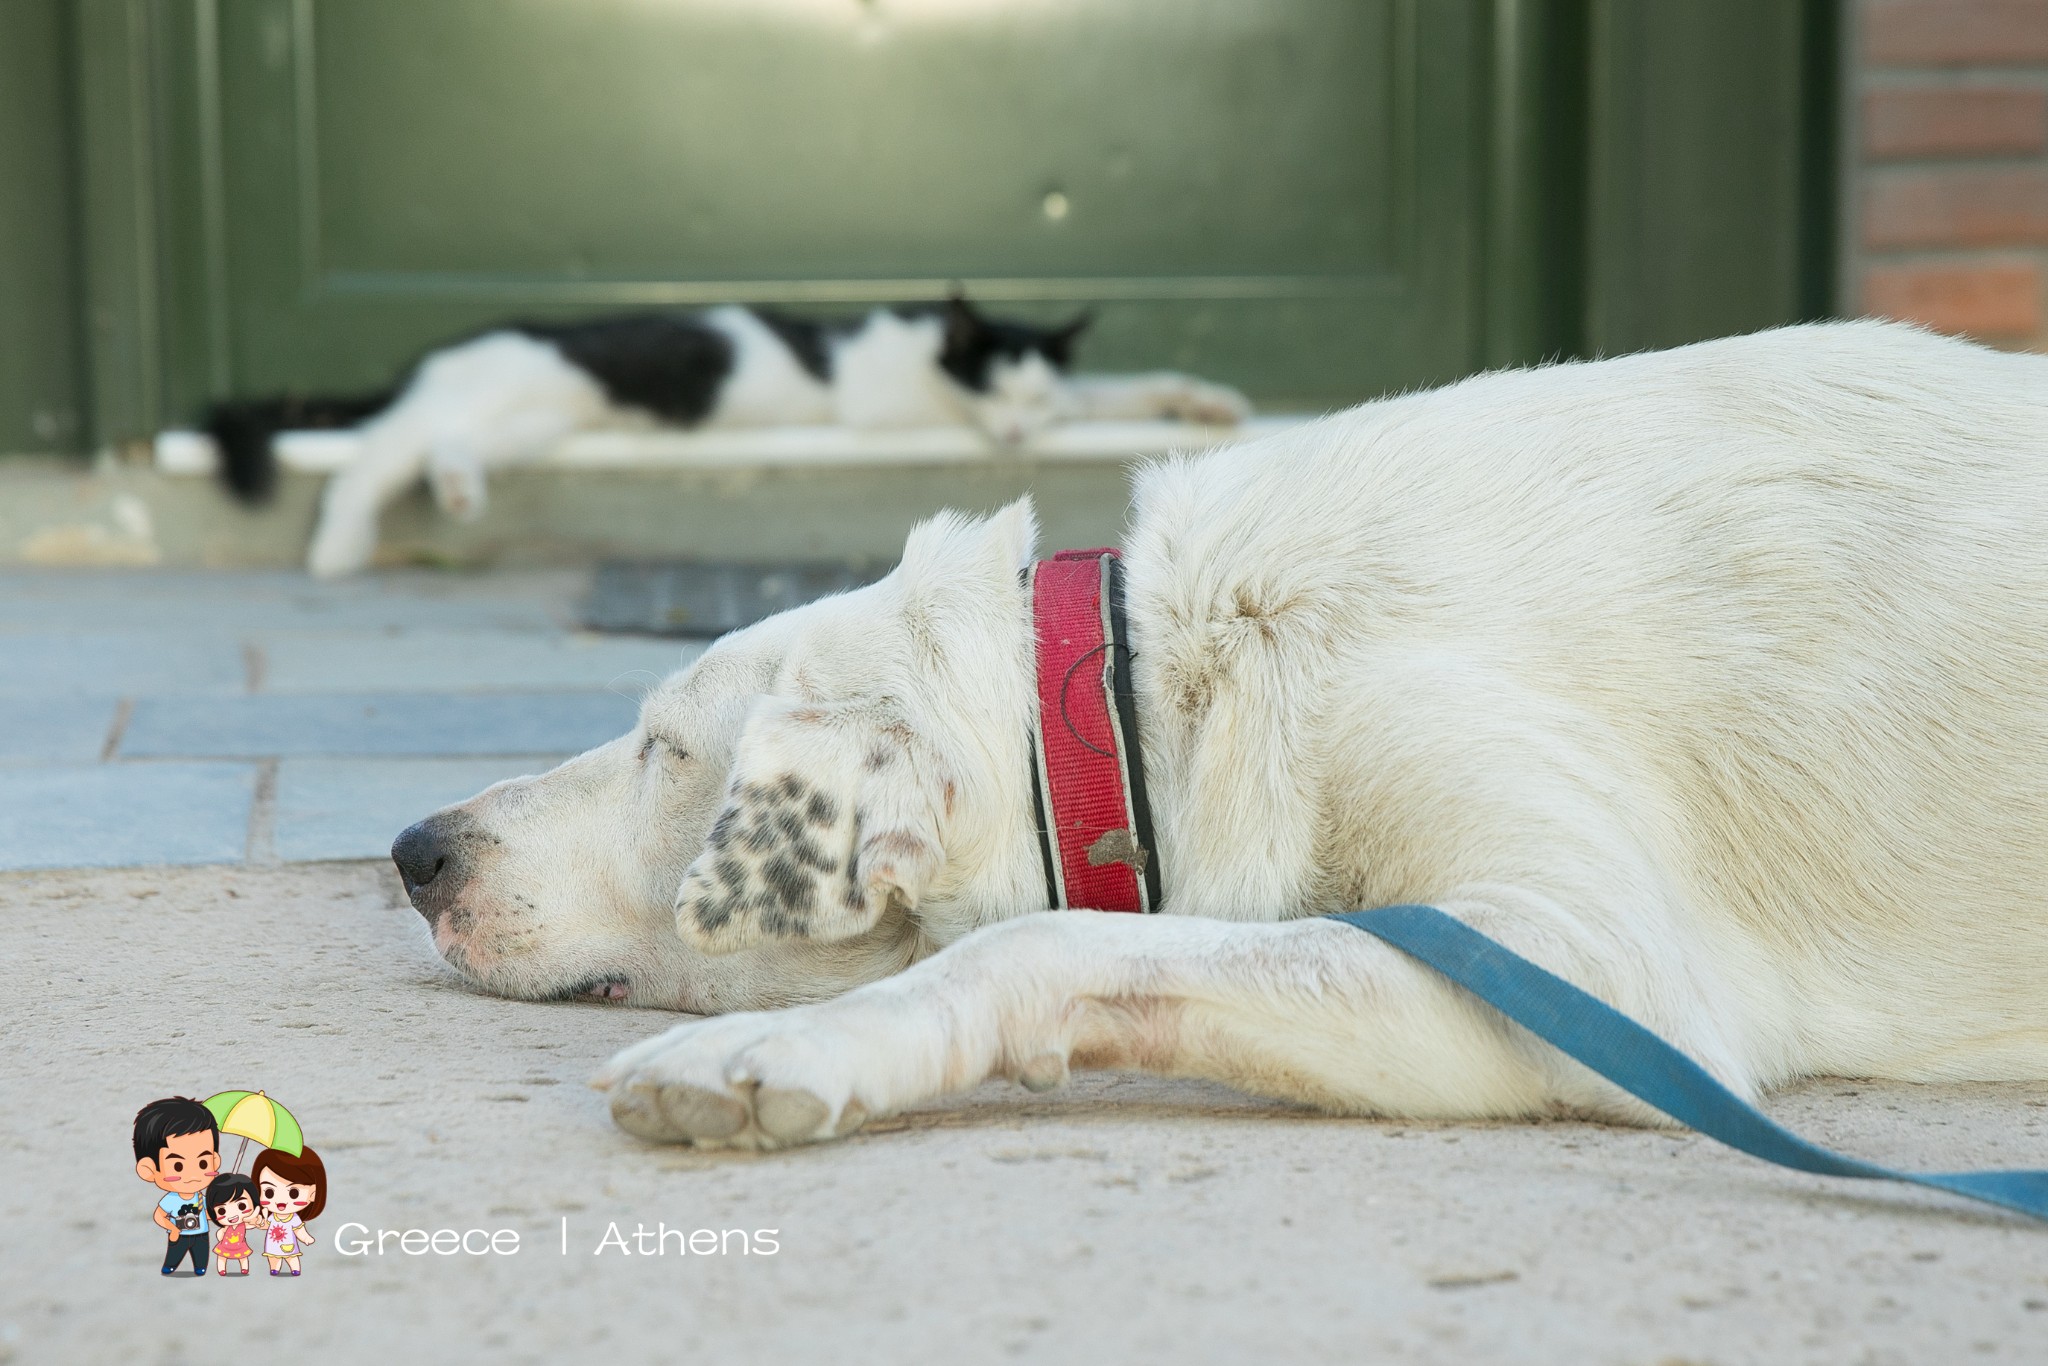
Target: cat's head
(1010,371)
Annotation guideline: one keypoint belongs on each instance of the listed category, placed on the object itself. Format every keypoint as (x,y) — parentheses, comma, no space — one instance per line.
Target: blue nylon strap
(1642,1064)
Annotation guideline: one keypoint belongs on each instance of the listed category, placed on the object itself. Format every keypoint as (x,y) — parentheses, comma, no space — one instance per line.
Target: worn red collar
(1088,772)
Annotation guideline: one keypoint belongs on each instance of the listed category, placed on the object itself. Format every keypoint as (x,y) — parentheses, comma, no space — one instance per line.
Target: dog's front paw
(756,1080)
(1215,405)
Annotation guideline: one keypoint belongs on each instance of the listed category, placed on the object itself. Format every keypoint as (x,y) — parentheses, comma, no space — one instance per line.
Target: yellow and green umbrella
(255,1118)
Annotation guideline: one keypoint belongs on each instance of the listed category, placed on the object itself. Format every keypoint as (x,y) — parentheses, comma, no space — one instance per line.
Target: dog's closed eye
(655,745)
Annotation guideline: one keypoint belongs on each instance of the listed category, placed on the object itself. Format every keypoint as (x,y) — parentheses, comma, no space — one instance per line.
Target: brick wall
(1946,150)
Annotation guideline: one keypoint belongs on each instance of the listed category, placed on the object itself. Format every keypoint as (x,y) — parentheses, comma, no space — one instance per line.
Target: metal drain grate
(665,598)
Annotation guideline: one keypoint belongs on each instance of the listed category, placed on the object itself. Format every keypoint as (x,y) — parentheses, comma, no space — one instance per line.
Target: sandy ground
(1124,1220)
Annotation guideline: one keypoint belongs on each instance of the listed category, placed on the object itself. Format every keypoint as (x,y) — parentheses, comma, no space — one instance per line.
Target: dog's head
(787,817)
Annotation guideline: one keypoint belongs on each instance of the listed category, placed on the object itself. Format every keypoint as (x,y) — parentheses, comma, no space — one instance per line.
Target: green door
(1317,200)
(1283,194)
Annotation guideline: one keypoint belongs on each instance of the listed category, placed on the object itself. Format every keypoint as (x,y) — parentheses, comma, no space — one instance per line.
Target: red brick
(1957,207)
(1955,32)
(1994,299)
(1931,123)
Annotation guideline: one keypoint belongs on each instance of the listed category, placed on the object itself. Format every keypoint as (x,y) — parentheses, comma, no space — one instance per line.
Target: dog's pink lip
(598,988)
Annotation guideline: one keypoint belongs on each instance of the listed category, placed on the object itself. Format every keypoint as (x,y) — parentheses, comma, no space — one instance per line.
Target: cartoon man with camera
(177,1150)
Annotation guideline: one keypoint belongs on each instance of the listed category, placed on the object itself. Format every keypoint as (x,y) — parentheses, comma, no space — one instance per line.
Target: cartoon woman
(231,1200)
(291,1191)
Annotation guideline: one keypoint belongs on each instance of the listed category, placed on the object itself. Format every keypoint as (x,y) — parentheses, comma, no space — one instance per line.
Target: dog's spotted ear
(832,816)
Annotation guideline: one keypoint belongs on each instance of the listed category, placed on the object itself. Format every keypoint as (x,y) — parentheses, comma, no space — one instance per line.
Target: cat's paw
(1214,405)
(458,490)
(341,545)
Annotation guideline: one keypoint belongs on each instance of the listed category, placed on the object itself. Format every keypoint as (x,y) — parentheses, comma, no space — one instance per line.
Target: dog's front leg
(1305,1010)
(1004,1001)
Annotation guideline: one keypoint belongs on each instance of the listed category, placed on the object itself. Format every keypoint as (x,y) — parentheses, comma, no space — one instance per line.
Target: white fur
(1714,680)
(503,398)
(768,385)
(887,375)
(496,400)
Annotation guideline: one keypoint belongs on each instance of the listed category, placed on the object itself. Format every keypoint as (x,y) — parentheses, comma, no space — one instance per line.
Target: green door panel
(1710,169)
(40,394)
(792,140)
(1281,194)
(1318,200)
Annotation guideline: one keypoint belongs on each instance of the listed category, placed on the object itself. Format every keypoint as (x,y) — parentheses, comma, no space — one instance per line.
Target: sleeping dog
(1715,681)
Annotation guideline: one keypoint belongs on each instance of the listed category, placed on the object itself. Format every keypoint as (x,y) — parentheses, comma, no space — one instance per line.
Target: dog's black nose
(420,854)
(435,859)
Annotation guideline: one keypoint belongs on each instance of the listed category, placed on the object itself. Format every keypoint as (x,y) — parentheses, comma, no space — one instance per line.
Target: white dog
(1715,681)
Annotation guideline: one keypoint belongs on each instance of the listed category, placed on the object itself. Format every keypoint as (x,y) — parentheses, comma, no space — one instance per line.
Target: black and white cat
(508,394)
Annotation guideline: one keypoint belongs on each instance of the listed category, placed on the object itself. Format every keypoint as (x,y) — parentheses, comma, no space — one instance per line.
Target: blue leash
(1642,1064)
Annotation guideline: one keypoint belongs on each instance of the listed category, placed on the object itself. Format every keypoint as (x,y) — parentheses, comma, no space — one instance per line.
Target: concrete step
(750,497)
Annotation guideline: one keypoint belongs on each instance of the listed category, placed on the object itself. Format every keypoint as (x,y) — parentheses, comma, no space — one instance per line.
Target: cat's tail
(243,429)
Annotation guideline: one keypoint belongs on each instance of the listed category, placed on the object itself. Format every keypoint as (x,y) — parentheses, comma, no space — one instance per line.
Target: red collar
(1088,769)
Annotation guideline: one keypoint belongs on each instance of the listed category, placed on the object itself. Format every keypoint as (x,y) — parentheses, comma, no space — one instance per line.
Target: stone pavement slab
(61,729)
(366,724)
(1122,1220)
(200,600)
(354,808)
(96,663)
(418,659)
(106,815)
(455,680)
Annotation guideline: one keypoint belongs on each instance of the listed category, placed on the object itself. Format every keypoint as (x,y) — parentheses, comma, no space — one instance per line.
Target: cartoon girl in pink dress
(292,1191)
(231,1201)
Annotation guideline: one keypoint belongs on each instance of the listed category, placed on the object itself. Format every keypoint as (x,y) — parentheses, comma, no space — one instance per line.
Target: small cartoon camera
(187,1219)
